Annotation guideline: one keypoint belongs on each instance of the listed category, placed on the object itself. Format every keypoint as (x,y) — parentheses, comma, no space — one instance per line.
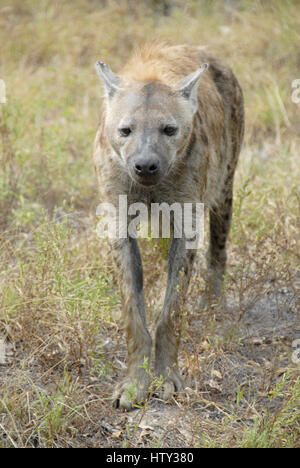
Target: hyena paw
(130,393)
(173,383)
(212,299)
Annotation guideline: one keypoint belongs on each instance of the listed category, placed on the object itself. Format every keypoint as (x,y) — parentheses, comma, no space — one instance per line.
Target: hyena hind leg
(220,220)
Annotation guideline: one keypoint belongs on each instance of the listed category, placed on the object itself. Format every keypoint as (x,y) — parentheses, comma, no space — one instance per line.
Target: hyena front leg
(134,388)
(168,330)
(220,220)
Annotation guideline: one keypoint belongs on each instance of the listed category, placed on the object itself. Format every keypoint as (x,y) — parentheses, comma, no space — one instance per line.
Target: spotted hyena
(171,131)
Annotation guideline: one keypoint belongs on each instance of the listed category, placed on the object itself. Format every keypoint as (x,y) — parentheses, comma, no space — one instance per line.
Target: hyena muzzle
(170,131)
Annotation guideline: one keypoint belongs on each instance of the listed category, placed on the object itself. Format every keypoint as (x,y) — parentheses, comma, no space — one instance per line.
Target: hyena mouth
(147,181)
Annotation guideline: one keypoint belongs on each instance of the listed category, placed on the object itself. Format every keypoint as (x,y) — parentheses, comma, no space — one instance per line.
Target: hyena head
(148,123)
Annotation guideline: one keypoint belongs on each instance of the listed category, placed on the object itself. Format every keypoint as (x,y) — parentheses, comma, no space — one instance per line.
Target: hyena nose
(146,166)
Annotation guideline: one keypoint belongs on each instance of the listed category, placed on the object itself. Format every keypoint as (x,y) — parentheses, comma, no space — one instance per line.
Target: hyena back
(171,131)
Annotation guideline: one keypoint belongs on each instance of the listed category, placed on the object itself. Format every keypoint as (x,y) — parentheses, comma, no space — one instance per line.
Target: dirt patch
(228,380)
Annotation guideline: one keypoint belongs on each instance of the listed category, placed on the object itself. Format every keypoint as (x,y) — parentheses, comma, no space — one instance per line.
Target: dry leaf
(144,426)
(213,384)
(216,374)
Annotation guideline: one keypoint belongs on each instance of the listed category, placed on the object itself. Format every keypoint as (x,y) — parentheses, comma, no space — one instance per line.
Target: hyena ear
(111,82)
(188,86)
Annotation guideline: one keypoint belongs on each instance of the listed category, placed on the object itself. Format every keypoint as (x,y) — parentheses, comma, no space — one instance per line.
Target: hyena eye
(125,132)
(170,130)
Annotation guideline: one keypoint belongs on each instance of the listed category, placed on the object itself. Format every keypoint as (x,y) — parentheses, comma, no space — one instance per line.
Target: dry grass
(59,305)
